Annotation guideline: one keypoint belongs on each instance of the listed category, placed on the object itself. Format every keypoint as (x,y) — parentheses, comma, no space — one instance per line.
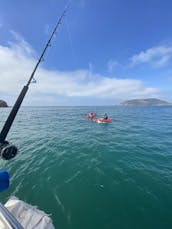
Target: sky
(104,51)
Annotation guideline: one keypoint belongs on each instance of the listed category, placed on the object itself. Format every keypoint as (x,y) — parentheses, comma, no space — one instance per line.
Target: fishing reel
(7,150)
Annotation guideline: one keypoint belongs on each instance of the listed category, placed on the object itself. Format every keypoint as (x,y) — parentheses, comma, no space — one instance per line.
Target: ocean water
(89,175)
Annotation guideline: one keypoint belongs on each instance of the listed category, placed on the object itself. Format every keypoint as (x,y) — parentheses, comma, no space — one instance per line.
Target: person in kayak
(105,116)
(92,115)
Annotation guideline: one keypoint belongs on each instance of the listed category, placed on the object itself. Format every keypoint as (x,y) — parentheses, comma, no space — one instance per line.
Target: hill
(145,102)
(3,103)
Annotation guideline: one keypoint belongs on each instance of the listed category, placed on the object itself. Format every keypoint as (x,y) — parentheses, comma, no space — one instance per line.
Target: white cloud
(112,64)
(158,56)
(20,45)
(55,87)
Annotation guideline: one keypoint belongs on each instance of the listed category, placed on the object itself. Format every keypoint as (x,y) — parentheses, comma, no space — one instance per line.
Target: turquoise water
(90,175)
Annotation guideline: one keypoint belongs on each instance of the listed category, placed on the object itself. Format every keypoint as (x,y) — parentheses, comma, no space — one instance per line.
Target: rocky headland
(3,103)
(145,102)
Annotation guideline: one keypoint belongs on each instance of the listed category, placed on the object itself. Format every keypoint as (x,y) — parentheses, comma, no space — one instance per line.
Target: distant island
(3,103)
(145,102)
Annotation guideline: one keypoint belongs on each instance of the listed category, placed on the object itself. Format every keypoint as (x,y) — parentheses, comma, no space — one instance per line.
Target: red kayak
(92,117)
(102,120)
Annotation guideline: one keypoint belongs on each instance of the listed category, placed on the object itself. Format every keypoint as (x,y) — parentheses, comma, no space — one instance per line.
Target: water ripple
(89,175)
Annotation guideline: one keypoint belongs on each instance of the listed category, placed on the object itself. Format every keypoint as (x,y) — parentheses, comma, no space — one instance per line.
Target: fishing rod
(7,150)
